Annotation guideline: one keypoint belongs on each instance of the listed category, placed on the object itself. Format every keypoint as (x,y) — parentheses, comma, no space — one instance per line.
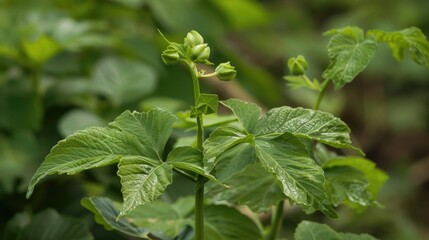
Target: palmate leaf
(349,53)
(278,140)
(135,140)
(316,231)
(299,176)
(86,149)
(410,39)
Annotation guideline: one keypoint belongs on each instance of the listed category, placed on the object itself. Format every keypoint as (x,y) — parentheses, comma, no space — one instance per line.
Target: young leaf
(300,177)
(152,128)
(220,141)
(349,54)
(206,104)
(411,39)
(315,231)
(143,180)
(307,123)
(89,148)
(190,159)
(247,113)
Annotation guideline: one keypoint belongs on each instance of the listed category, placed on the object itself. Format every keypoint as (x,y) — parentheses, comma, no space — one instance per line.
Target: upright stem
(199,187)
(321,94)
(276,221)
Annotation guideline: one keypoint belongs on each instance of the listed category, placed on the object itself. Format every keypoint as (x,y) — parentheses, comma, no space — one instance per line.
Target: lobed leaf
(206,104)
(86,149)
(143,180)
(152,128)
(247,113)
(349,54)
(410,39)
(307,123)
(300,177)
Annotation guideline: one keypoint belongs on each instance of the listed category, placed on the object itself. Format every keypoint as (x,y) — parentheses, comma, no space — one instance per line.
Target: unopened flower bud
(193,38)
(298,65)
(170,56)
(225,72)
(200,53)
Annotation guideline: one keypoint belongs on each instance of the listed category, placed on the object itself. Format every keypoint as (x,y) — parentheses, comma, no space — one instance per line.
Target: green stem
(199,188)
(321,94)
(276,221)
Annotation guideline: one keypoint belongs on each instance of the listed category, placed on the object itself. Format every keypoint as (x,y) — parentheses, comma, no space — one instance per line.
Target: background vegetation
(68,64)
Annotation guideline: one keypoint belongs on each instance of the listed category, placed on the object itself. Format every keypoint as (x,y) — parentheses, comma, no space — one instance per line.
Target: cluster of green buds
(297,65)
(194,50)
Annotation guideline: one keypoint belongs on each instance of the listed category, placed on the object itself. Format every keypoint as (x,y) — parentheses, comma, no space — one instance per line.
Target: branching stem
(321,94)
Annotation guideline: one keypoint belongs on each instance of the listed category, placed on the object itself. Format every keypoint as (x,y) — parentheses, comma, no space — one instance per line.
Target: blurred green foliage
(69,64)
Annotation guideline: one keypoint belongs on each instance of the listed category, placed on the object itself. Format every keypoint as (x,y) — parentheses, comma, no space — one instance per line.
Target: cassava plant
(254,159)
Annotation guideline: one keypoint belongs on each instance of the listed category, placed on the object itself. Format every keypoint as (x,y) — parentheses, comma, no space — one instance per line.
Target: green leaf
(252,186)
(346,184)
(411,39)
(49,225)
(40,50)
(220,141)
(247,113)
(315,231)
(89,148)
(168,218)
(206,104)
(106,213)
(307,123)
(349,54)
(300,177)
(189,159)
(79,119)
(123,81)
(152,128)
(225,223)
(143,180)
(374,177)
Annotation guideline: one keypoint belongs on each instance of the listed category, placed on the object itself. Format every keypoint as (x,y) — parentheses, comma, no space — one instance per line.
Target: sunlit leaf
(349,54)
(143,180)
(89,148)
(300,177)
(152,128)
(78,119)
(301,122)
(40,50)
(247,113)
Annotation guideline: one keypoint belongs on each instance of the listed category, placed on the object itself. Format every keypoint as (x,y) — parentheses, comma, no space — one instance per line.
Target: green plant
(253,160)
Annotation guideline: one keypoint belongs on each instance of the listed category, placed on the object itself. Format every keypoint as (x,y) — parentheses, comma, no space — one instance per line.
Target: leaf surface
(89,148)
(316,231)
(349,54)
(300,177)
(312,124)
(143,180)
(247,113)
